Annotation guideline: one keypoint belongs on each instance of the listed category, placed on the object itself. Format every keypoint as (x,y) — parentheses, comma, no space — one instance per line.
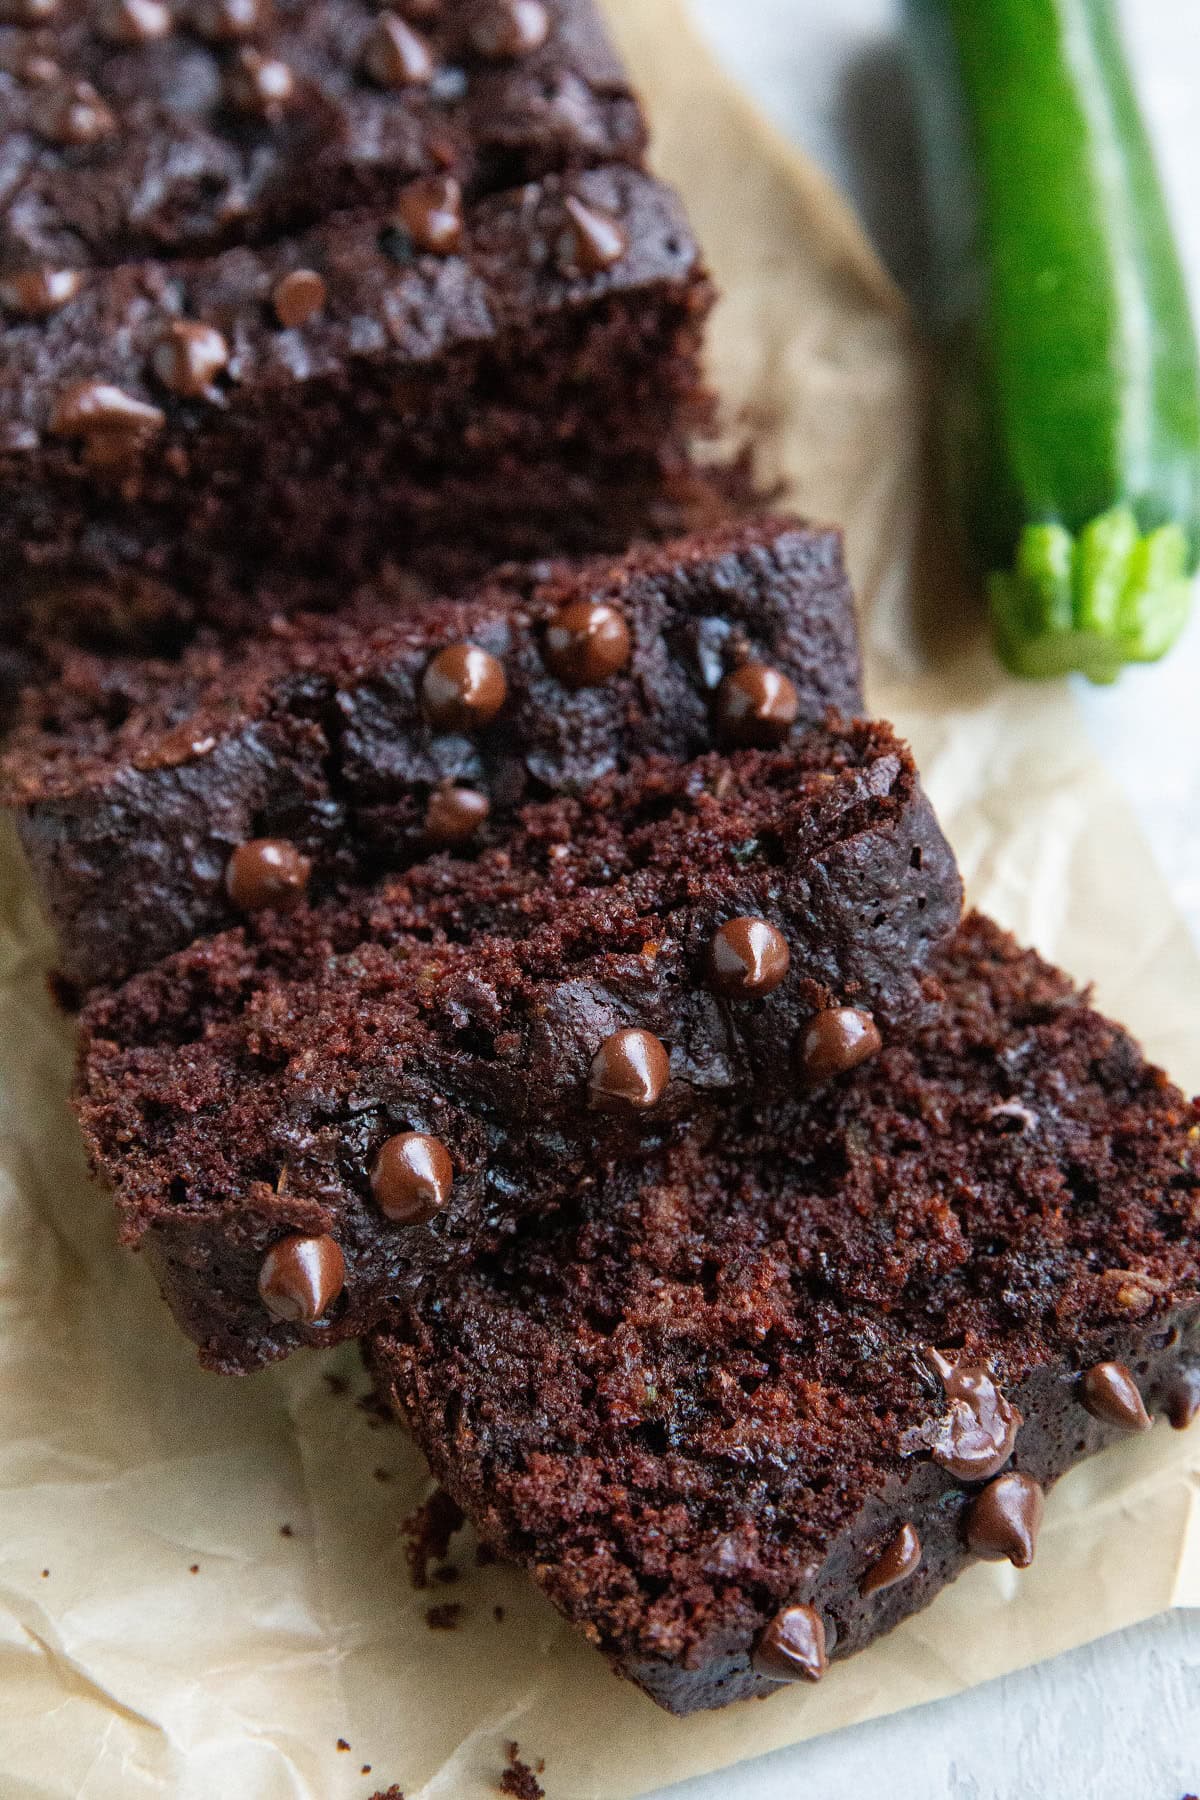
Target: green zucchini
(1071,400)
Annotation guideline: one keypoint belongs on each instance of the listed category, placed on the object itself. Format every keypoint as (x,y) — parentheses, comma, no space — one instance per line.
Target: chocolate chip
(27,12)
(975,1437)
(36,293)
(898,1562)
(590,240)
(113,452)
(454,815)
(134,21)
(267,872)
(90,409)
(185,742)
(39,71)
(228,21)
(188,356)
(747,957)
(298,297)
(629,1072)
(412,1178)
(587,643)
(1182,1403)
(837,1041)
(431,212)
(1110,1394)
(463,688)
(77,116)
(509,28)
(395,56)
(1003,1523)
(793,1646)
(300,1278)
(756,706)
(261,86)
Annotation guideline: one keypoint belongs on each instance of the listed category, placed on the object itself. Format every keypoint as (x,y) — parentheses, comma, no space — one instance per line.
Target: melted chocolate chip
(590,240)
(300,1278)
(1003,1523)
(113,452)
(184,742)
(454,815)
(134,21)
(756,706)
(837,1041)
(27,12)
(39,71)
(260,86)
(77,116)
(431,211)
(98,409)
(36,293)
(629,1072)
(267,872)
(975,1436)
(298,297)
(1110,1394)
(395,56)
(463,688)
(510,28)
(188,357)
(412,1178)
(228,21)
(587,643)
(901,1558)
(793,1646)
(1182,1403)
(747,958)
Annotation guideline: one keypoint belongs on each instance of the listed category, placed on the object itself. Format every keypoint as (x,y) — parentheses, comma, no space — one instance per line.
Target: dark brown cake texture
(288,291)
(744,1407)
(363,741)
(294,1114)
(186,156)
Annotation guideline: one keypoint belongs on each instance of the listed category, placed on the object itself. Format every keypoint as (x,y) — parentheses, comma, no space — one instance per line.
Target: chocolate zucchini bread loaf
(745,1406)
(288,290)
(295,1113)
(358,742)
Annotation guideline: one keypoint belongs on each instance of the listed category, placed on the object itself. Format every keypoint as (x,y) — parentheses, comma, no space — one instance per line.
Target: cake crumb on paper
(427,1533)
(519,1780)
(444,1617)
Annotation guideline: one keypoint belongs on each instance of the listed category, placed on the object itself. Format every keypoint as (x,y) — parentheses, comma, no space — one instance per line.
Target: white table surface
(1120,1719)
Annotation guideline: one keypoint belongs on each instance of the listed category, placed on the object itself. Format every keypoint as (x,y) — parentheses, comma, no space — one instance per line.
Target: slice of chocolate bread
(747,1405)
(145,131)
(173,437)
(364,740)
(295,1113)
(294,288)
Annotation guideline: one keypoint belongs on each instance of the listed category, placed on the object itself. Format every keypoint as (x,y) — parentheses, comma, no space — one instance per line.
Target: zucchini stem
(1091,601)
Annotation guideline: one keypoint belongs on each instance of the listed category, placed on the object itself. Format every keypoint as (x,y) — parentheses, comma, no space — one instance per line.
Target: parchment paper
(160,1634)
